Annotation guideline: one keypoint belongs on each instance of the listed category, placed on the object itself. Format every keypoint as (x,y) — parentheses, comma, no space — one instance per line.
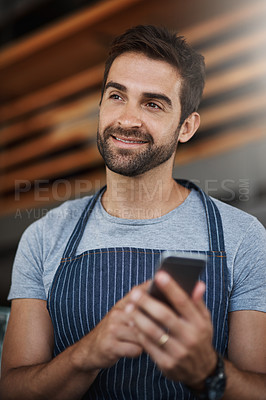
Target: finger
(145,285)
(127,334)
(157,311)
(198,291)
(165,356)
(197,297)
(122,303)
(180,300)
(129,350)
(147,326)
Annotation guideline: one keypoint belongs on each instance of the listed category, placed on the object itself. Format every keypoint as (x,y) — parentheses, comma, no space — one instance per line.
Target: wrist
(81,358)
(213,387)
(199,385)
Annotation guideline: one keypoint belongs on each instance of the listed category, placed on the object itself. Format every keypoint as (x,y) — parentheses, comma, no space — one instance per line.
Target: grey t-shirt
(43,243)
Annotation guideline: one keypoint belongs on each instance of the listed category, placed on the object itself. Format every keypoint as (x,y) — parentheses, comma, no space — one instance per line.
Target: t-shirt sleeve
(249,274)
(27,270)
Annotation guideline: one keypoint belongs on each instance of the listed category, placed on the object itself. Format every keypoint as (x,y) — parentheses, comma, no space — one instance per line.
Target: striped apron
(86,286)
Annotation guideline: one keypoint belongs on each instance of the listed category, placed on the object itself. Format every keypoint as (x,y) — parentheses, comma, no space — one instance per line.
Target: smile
(129,141)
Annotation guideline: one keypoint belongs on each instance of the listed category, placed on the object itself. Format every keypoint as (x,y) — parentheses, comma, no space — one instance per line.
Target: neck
(147,196)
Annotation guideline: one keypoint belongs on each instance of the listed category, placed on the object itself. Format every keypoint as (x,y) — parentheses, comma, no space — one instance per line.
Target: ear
(189,127)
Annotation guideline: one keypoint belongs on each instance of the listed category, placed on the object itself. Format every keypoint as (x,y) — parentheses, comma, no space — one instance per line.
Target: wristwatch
(214,384)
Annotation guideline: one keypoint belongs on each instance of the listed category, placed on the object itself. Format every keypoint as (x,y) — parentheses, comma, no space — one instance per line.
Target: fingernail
(163,278)
(129,308)
(135,295)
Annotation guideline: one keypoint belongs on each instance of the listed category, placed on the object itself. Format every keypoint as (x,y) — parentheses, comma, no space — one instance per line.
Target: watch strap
(215,383)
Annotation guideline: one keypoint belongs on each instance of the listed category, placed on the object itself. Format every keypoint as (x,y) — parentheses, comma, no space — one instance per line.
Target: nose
(129,117)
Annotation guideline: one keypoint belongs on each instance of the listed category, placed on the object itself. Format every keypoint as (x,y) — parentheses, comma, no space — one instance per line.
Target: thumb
(198,291)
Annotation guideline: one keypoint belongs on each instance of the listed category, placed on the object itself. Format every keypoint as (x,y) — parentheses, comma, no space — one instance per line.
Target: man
(77,328)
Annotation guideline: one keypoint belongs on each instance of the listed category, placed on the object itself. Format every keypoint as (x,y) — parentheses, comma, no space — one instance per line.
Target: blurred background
(52,55)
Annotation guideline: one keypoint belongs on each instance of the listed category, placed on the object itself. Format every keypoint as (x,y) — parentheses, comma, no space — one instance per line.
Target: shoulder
(237,221)
(240,228)
(245,242)
(53,229)
(232,217)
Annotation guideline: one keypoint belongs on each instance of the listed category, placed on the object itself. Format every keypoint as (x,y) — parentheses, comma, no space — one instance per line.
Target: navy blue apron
(86,286)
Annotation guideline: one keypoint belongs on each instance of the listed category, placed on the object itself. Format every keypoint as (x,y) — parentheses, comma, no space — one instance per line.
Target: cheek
(162,130)
(103,119)
(107,116)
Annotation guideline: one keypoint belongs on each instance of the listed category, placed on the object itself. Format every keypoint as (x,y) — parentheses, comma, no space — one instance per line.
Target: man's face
(139,114)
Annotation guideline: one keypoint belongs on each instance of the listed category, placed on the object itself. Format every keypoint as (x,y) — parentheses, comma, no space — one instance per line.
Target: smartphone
(185,269)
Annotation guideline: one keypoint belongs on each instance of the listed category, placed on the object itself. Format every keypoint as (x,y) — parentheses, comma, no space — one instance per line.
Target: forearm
(59,379)
(244,385)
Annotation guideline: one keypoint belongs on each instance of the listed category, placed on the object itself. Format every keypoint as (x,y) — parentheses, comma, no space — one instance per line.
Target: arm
(188,355)
(30,372)
(247,352)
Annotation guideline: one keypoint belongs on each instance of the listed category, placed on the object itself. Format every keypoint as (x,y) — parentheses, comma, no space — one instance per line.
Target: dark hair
(160,44)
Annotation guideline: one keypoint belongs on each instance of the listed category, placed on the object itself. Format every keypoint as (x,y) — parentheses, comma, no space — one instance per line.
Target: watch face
(215,394)
(216,384)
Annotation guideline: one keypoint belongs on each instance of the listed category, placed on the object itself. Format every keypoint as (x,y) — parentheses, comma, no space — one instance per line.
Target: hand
(187,355)
(114,337)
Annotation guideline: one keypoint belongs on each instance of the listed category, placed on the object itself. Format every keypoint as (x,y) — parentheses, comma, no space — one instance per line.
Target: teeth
(129,141)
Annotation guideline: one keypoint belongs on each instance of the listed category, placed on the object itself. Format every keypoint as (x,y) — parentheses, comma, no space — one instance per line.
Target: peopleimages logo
(228,190)
(44,190)
(58,190)
(244,189)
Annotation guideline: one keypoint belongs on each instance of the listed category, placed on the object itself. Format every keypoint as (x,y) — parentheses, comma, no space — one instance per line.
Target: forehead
(140,73)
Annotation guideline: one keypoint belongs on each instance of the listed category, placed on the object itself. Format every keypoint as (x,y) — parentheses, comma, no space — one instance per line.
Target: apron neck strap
(76,235)
(213,216)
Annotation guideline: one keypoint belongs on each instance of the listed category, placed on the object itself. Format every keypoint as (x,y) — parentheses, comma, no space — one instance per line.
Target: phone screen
(185,269)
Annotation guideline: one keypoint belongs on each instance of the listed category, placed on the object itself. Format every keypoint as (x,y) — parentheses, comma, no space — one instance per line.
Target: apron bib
(86,286)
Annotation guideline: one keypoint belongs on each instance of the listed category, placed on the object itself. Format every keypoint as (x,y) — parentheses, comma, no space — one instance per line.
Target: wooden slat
(60,138)
(225,142)
(221,23)
(59,115)
(58,31)
(237,108)
(235,47)
(72,188)
(64,164)
(235,77)
(50,94)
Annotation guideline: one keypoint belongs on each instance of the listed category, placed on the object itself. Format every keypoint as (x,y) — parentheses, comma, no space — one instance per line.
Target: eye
(115,97)
(153,105)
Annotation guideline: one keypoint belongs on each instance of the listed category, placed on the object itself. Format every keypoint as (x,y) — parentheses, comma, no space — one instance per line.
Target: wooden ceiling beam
(231,79)
(220,144)
(58,139)
(234,109)
(63,114)
(52,93)
(222,22)
(61,30)
(247,43)
(59,191)
(52,168)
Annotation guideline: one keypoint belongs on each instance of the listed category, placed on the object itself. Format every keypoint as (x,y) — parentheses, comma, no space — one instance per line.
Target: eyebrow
(158,96)
(115,85)
(147,95)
